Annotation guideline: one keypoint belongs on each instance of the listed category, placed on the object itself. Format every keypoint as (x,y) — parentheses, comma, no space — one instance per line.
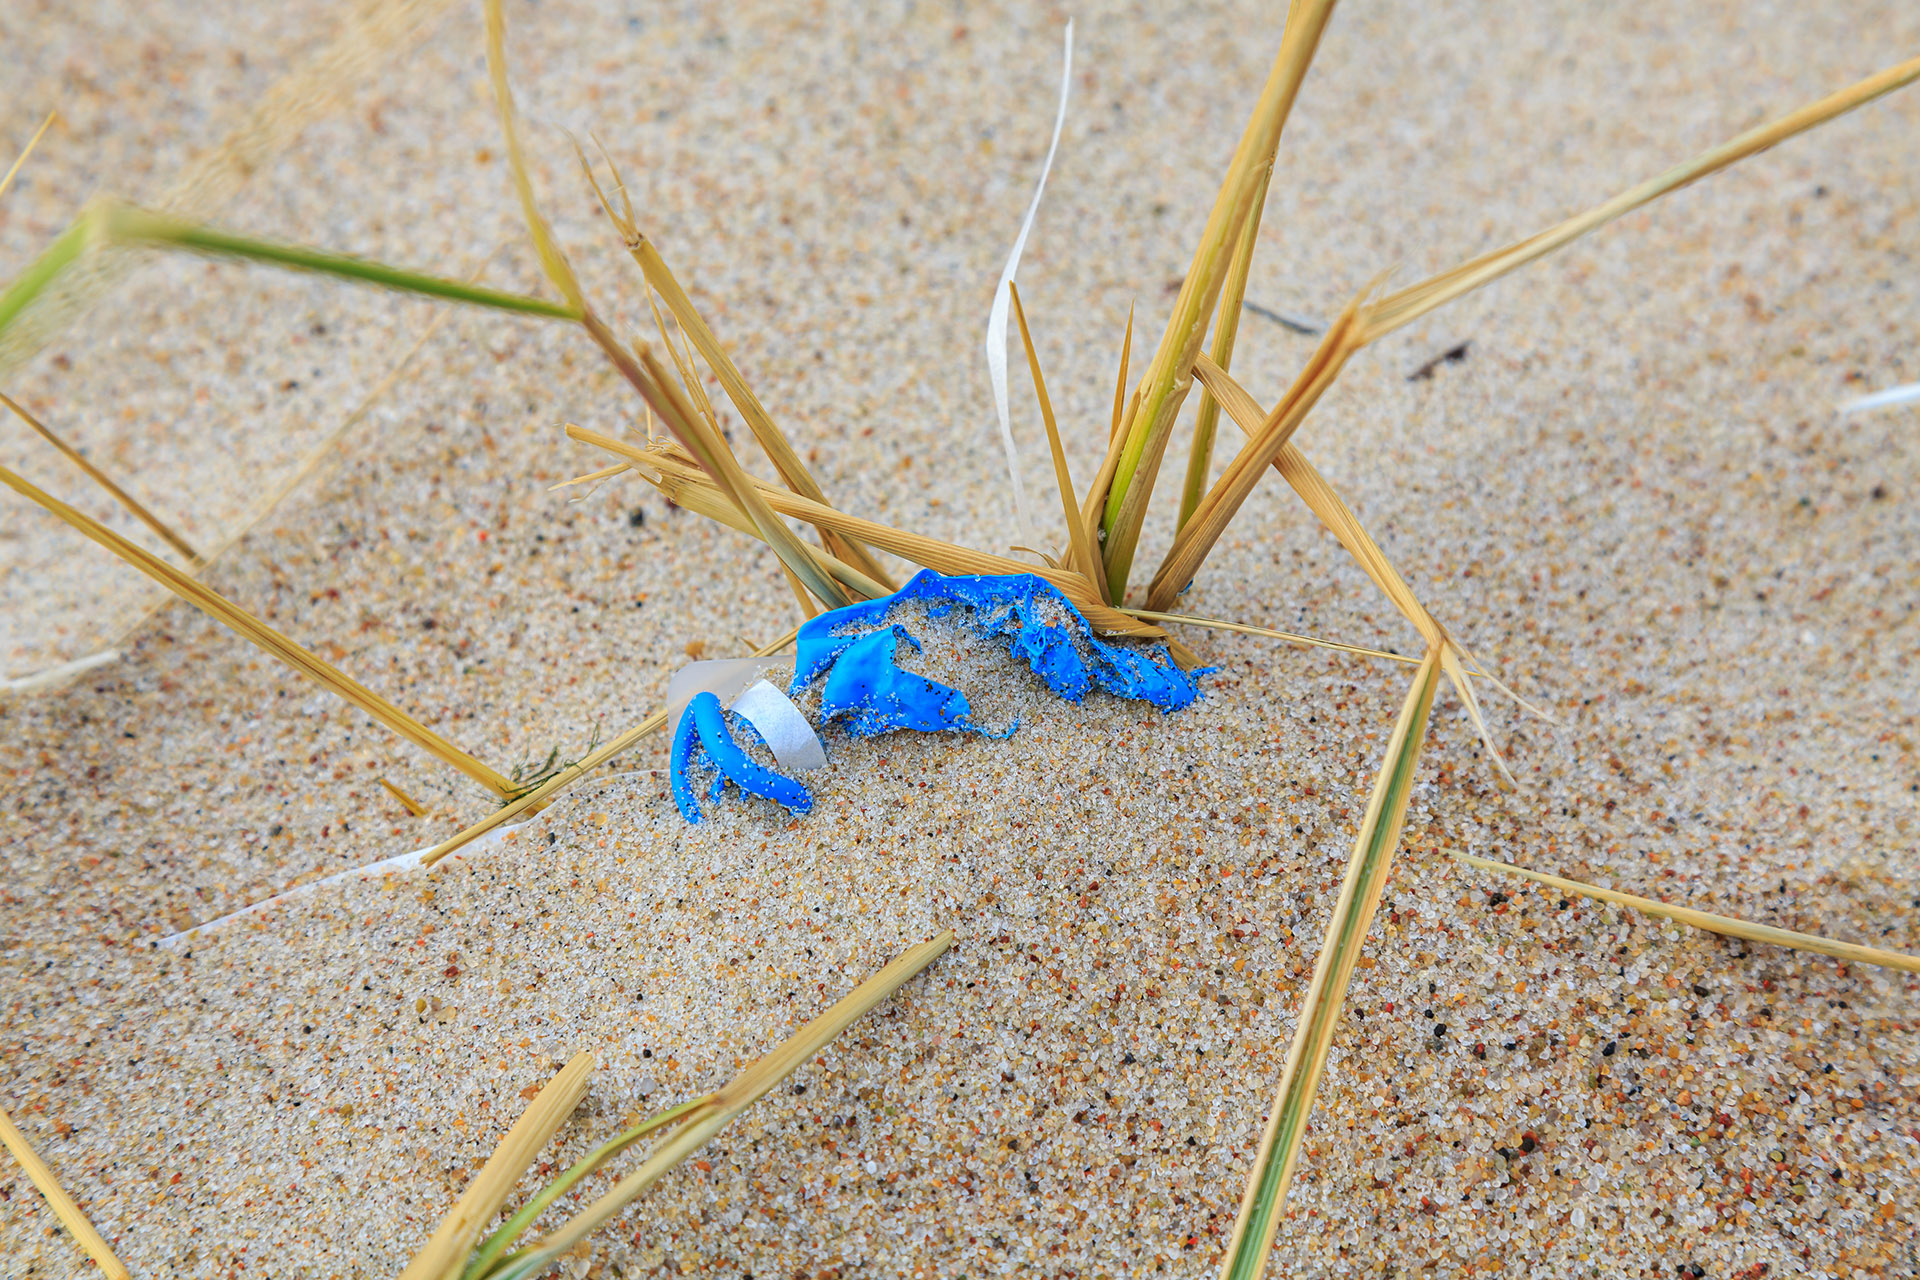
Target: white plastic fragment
(724,678)
(788,735)
(1002,299)
(1907,394)
(59,674)
(399,864)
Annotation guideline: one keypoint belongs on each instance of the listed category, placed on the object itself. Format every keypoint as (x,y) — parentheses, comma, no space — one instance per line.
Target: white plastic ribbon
(1884,399)
(741,688)
(788,735)
(1002,298)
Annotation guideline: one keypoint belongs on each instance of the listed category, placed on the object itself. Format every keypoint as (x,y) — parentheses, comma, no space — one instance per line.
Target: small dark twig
(1452,355)
(1285,321)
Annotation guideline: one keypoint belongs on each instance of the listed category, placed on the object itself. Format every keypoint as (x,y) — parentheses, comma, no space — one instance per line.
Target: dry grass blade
(134,507)
(786,461)
(510,1230)
(1083,557)
(552,261)
(251,628)
(604,473)
(26,151)
(686,484)
(1373,848)
(1729,926)
(444,1255)
(58,1200)
(1198,537)
(709,449)
(407,802)
(707,500)
(530,802)
(1339,519)
(739,1094)
(644,374)
(1226,329)
(1411,303)
(1164,386)
(1120,383)
(1247,629)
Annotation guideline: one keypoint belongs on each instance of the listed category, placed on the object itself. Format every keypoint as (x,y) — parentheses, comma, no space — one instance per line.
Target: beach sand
(1632,499)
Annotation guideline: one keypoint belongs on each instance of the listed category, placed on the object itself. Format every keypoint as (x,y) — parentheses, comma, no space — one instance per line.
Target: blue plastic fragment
(703,739)
(868,687)
(1062,649)
(857,649)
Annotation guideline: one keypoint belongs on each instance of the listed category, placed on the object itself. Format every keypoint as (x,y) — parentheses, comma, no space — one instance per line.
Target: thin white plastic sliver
(1002,298)
(1884,399)
(400,864)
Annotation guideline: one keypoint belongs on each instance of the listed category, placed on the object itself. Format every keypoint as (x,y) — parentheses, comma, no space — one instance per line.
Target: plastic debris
(868,689)
(704,739)
(856,649)
(1027,611)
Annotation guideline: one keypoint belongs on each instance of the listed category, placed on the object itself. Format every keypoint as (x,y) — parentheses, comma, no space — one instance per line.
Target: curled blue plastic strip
(702,739)
(1027,611)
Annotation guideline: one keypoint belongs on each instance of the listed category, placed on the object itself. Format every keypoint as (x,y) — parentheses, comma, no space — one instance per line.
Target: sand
(1632,496)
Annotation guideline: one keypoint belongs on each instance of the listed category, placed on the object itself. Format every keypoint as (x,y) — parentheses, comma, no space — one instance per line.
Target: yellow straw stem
(1727,925)
(99,477)
(444,1254)
(295,655)
(541,796)
(57,1199)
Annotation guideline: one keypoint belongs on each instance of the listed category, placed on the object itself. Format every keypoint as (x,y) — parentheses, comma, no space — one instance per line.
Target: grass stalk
(640,368)
(1373,848)
(444,1254)
(1222,502)
(786,461)
(407,802)
(1339,519)
(707,500)
(1409,304)
(682,481)
(295,655)
(58,1200)
(1120,383)
(1083,557)
(132,505)
(1247,629)
(503,1237)
(1170,373)
(26,151)
(1728,926)
(529,802)
(739,1094)
(1226,329)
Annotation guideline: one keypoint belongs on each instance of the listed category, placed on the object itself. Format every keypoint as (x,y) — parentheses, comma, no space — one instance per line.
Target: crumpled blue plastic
(867,688)
(857,649)
(1064,653)
(703,739)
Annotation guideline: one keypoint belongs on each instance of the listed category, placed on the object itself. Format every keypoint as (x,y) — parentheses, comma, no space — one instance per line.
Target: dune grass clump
(1092,562)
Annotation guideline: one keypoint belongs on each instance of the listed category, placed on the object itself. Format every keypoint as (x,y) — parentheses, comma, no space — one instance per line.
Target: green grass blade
(45,269)
(509,1231)
(124,224)
(739,1094)
(1170,374)
(1226,330)
(1266,1192)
